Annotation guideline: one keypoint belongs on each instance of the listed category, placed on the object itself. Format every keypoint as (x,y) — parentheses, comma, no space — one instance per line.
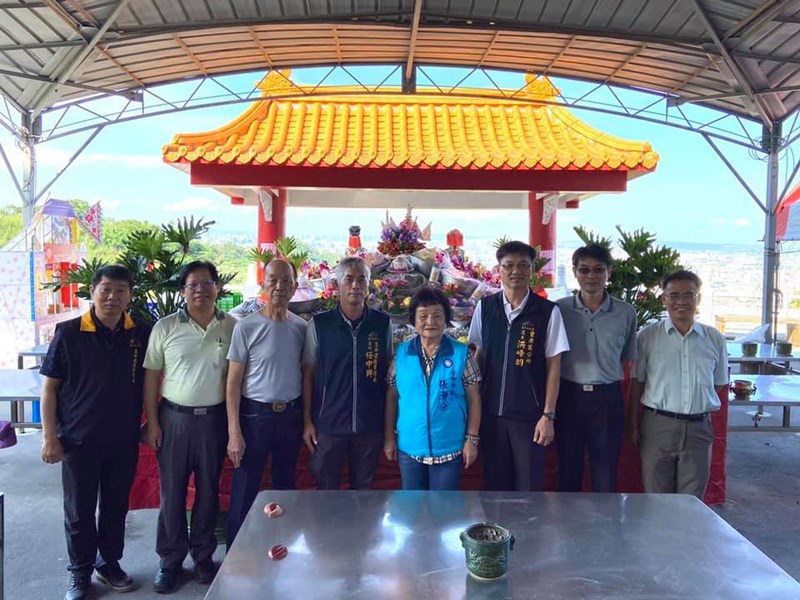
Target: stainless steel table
(395,544)
(765,355)
(19,386)
(771,390)
(36,352)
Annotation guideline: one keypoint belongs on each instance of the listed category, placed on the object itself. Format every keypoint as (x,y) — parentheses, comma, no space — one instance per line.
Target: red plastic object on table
(278,552)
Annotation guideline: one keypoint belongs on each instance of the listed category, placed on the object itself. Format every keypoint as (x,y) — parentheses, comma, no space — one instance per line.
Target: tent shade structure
(789,217)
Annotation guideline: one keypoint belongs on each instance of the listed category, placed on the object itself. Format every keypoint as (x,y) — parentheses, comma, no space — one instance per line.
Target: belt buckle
(588,387)
(200,411)
(278,407)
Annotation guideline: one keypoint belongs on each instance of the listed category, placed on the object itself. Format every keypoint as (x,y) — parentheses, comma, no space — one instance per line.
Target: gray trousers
(676,455)
(192,444)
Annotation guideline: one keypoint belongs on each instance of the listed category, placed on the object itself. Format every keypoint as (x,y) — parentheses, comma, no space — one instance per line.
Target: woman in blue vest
(433,407)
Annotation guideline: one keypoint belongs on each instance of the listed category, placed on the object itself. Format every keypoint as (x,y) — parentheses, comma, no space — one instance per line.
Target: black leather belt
(193,410)
(678,416)
(274,407)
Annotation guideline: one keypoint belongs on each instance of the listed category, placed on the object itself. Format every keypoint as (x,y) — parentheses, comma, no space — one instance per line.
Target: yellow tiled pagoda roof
(348,127)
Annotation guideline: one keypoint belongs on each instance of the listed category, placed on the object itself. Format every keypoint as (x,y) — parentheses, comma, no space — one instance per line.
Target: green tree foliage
(10,223)
(155,256)
(636,277)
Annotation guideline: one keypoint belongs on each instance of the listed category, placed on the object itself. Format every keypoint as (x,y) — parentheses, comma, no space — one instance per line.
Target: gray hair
(352,262)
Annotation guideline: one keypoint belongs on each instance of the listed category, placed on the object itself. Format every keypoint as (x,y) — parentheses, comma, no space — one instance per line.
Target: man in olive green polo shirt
(188,428)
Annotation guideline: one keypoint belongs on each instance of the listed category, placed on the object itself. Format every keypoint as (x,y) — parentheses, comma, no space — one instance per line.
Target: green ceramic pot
(749,348)
(487,547)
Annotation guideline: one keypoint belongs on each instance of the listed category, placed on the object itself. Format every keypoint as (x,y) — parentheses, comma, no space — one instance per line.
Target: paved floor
(763,504)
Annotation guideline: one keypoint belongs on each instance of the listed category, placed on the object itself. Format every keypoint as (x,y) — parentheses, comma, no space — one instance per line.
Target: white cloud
(742,222)
(718,221)
(190,204)
(56,158)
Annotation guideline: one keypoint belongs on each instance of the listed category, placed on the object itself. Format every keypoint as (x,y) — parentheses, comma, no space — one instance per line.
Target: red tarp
(145,492)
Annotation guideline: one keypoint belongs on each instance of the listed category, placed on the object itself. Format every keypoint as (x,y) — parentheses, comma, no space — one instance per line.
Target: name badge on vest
(447,363)
(588,387)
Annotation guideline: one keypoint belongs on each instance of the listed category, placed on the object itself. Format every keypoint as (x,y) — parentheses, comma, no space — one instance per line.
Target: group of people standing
(259,388)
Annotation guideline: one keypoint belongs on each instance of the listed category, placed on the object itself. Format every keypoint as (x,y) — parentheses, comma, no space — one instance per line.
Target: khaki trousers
(676,455)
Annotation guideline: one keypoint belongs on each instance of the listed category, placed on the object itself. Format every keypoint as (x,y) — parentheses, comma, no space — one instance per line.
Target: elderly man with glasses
(186,358)
(602,342)
(681,369)
(520,338)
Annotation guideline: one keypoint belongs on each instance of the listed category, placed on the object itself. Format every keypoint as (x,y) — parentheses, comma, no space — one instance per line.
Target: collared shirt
(471,375)
(598,342)
(680,372)
(193,359)
(556,342)
(100,372)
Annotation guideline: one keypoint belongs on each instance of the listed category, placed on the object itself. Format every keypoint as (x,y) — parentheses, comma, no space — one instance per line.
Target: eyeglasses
(520,266)
(685,297)
(587,270)
(200,285)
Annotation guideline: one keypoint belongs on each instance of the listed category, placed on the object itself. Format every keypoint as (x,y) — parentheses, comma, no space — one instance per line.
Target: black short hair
(681,275)
(114,272)
(198,265)
(595,251)
(429,295)
(516,247)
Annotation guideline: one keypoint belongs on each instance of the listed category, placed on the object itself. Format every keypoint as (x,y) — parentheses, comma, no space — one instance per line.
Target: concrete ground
(763,505)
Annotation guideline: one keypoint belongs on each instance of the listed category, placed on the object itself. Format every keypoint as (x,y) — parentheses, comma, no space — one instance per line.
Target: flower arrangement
(315,271)
(405,238)
(329,297)
(397,306)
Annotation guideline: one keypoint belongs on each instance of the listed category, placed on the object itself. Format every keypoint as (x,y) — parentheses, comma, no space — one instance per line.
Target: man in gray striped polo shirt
(602,339)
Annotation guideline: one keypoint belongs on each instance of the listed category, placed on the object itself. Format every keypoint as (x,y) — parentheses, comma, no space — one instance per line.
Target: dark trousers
(594,421)
(511,460)
(96,531)
(362,451)
(191,444)
(265,433)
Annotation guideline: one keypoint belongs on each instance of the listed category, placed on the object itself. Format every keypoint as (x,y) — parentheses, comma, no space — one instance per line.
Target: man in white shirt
(520,338)
(681,369)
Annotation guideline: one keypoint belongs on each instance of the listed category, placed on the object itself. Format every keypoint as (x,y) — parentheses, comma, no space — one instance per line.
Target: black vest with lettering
(514,370)
(348,357)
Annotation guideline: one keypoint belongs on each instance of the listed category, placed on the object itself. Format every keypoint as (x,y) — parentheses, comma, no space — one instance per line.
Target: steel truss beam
(211,91)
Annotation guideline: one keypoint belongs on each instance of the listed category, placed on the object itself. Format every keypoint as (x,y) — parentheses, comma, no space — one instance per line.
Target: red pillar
(542,231)
(271,230)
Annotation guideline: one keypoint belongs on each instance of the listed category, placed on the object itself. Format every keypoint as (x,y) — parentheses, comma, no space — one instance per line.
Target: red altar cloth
(145,492)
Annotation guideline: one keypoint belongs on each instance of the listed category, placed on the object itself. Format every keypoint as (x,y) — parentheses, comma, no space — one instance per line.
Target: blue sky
(692,197)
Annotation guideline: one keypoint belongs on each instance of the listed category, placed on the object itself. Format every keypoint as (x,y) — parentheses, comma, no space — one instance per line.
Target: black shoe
(112,575)
(166,580)
(205,571)
(78,586)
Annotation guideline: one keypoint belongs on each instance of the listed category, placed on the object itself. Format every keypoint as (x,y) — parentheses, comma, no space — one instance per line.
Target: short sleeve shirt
(598,342)
(193,360)
(101,378)
(680,372)
(272,352)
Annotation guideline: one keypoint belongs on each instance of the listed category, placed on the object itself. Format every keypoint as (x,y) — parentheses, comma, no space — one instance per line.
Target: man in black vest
(520,338)
(347,354)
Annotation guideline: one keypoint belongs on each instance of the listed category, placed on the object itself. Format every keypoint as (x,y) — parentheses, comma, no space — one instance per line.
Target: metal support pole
(31,132)
(768,303)
(410,81)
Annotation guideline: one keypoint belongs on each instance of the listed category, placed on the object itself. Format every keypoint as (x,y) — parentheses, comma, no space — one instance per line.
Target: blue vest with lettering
(432,414)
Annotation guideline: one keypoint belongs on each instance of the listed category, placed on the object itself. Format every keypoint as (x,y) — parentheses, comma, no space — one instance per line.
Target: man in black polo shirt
(520,338)
(346,356)
(91,411)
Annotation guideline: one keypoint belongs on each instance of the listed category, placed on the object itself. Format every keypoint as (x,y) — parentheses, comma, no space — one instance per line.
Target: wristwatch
(550,415)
